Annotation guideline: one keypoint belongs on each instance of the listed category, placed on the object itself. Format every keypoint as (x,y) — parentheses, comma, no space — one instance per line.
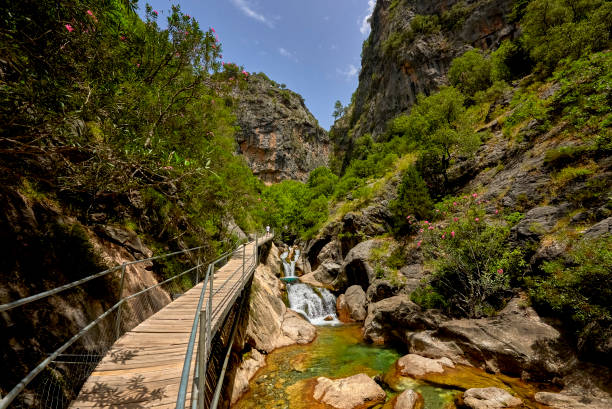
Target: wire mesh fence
(82,322)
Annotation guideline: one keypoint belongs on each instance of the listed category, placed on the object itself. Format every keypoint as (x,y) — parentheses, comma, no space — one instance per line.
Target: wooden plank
(143,368)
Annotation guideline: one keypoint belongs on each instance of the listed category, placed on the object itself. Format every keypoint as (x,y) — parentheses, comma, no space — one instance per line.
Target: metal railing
(208,319)
(191,275)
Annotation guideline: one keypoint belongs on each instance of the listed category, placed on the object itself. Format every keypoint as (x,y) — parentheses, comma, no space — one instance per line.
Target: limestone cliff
(409,52)
(278,135)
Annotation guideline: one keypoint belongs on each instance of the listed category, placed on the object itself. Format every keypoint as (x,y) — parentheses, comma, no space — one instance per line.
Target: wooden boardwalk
(143,368)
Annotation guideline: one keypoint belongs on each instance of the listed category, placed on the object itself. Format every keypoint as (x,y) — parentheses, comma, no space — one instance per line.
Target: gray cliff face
(401,59)
(278,136)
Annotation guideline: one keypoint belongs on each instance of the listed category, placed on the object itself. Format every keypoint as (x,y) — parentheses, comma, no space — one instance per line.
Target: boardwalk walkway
(143,368)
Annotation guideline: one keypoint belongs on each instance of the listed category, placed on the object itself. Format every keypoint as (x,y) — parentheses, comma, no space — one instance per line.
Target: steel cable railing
(94,346)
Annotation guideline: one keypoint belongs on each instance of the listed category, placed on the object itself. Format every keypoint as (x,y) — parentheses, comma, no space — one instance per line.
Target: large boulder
(356,268)
(417,366)
(330,252)
(297,329)
(414,274)
(515,342)
(490,398)
(327,272)
(408,399)
(355,299)
(357,391)
(273,261)
(126,238)
(564,401)
(396,318)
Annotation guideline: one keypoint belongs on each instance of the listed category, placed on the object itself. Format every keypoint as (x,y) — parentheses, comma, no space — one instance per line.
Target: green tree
(413,202)
(471,72)
(338,110)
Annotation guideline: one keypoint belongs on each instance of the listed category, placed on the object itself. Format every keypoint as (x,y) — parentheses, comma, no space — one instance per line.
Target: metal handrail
(48,293)
(203,321)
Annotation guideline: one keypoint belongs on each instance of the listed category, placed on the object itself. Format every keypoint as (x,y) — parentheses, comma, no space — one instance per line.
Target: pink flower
(455,219)
(138,64)
(122,38)
(419,244)
(259,199)
(465,197)
(90,12)
(213,30)
(155,12)
(474,194)
(453,234)
(69,28)
(426,222)
(223,63)
(214,48)
(500,271)
(421,231)
(454,203)
(437,211)
(496,211)
(444,236)
(430,228)
(477,219)
(407,217)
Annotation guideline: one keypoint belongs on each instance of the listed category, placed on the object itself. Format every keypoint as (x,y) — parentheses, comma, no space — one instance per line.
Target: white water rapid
(316,304)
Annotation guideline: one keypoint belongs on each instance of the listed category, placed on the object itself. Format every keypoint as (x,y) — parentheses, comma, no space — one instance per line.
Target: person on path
(267,230)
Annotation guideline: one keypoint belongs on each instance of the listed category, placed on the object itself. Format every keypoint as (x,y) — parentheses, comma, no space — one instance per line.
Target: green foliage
(585,99)
(473,264)
(514,218)
(471,72)
(428,297)
(510,61)
(412,201)
(577,289)
(556,29)
(526,106)
(121,105)
(564,155)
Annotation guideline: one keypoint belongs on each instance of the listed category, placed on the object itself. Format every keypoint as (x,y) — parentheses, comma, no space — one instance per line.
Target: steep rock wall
(279,137)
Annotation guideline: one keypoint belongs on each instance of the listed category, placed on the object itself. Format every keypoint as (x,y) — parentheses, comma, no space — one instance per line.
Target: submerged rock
(408,399)
(416,366)
(563,401)
(490,398)
(357,391)
(245,372)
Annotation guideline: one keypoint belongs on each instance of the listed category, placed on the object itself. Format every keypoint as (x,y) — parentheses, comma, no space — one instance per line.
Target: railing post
(118,320)
(198,271)
(202,363)
(243,260)
(256,251)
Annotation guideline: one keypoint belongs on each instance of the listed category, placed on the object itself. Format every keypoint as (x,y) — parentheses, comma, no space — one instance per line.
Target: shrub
(577,287)
(473,266)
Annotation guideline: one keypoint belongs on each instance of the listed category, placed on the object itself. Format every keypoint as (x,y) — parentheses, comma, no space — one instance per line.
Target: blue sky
(312,46)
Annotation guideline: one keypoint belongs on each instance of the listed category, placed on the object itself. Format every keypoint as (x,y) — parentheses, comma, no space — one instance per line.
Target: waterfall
(318,305)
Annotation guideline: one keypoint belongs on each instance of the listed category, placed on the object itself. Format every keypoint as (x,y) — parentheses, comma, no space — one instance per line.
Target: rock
(371,221)
(602,228)
(356,268)
(343,312)
(330,252)
(126,238)
(356,302)
(490,398)
(270,324)
(514,341)
(245,372)
(234,229)
(327,272)
(279,138)
(537,222)
(547,252)
(357,391)
(414,274)
(302,266)
(408,399)
(381,289)
(416,365)
(273,261)
(312,281)
(396,318)
(563,401)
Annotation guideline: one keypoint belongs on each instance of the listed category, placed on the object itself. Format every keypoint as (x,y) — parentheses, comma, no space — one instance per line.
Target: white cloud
(365,23)
(349,73)
(246,8)
(287,54)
